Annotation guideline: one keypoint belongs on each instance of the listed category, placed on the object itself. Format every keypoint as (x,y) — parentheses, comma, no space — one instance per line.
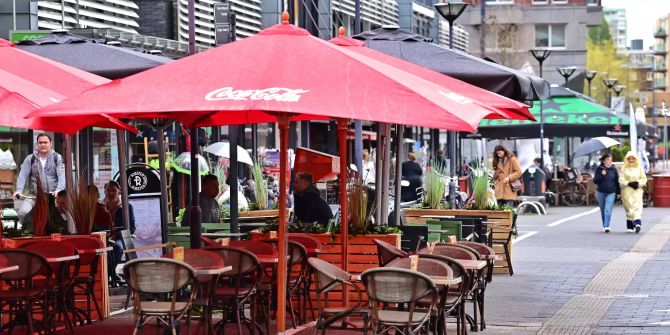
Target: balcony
(660,68)
(660,49)
(659,84)
(660,33)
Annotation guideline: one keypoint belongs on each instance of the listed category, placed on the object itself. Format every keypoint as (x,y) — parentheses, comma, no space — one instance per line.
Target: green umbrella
(182,164)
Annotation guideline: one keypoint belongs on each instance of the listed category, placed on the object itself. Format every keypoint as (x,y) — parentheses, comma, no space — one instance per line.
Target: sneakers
(606,229)
(631,231)
(637,228)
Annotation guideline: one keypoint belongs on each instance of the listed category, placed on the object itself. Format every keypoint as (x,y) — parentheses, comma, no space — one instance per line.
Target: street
(572,278)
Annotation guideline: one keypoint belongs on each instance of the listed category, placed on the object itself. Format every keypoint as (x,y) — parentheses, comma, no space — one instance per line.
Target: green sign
(27,35)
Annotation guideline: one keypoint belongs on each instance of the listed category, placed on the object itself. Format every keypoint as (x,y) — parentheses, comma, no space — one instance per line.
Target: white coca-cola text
(278,94)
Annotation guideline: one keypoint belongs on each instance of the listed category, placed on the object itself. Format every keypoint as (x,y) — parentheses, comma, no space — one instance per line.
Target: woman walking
(631,180)
(506,170)
(607,179)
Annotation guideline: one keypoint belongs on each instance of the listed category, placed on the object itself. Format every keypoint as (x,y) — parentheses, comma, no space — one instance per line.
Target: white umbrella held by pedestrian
(594,144)
(222,149)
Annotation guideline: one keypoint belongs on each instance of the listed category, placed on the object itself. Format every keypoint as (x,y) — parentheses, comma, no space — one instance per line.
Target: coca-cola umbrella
(280,75)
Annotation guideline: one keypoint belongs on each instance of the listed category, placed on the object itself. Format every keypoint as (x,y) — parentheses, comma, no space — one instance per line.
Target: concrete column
(270,12)
(325,19)
(405,15)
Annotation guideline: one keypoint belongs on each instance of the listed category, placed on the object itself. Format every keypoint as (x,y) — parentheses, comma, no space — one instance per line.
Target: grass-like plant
(261,187)
(434,189)
(481,183)
(41,209)
(358,206)
(81,204)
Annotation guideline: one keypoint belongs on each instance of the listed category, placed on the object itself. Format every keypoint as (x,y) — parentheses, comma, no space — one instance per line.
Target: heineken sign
(558,118)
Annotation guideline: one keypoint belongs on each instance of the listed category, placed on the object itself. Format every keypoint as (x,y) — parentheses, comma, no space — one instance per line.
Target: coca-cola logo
(278,94)
(456,97)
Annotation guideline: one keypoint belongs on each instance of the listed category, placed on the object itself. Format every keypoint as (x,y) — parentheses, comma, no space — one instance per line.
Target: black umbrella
(92,55)
(470,69)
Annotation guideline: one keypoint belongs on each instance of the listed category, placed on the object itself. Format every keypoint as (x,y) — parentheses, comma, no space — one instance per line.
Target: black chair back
(414,237)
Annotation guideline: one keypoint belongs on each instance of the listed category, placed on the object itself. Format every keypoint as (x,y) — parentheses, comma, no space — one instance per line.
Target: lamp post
(618,89)
(450,11)
(566,72)
(609,83)
(589,75)
(541,55)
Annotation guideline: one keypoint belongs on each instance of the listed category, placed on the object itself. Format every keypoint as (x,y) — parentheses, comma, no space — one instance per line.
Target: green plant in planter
(481,185)
(434,190)
(270,225)
(260,188)
(358,207)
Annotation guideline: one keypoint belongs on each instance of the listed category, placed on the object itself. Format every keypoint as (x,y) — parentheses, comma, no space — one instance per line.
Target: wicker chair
(84,285)
(239,287)
(311,244)
(387,252)
(456,295)
(159,276)
(486,276)
(20,292)
(59,284)
(387,286)
(328,278)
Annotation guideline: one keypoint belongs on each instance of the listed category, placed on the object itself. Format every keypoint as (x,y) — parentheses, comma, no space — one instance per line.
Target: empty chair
(328,278)
(389,286)
(313,247)
(454,303)
(160,277)
(84,284)
(452,251)
(486,276)
(414,237)
(387,252)
(20,291)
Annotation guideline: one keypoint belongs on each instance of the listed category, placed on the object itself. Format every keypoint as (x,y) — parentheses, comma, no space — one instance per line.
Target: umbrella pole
(233,135)
(160,139)
(400,129)
(195,214)
(282,245)
(68,163)
(342,128)
(123,177)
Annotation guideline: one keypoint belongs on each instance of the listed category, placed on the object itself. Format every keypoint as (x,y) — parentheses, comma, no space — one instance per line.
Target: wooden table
(214,234)
(437,280)
(62,259)
(9,268)
(470,264)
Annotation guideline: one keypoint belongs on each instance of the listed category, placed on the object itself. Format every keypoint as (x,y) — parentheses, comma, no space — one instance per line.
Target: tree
(601,33)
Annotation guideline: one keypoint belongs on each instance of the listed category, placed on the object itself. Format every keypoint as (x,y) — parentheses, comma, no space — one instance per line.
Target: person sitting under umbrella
(309,206)
(211,211)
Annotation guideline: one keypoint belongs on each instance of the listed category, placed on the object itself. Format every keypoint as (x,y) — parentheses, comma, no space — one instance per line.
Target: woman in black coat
(607,179)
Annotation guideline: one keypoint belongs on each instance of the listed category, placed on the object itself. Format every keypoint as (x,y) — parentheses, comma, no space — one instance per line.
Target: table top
(212,271)
(215,234)
(9,268)
(267,259)
(437,280)
(470,264)
(62,259)
(94,251)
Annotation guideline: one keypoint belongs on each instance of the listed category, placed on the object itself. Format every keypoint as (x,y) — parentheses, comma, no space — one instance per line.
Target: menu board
(147,212)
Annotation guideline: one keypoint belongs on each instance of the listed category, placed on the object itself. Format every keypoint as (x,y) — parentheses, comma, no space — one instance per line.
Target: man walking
(45,164)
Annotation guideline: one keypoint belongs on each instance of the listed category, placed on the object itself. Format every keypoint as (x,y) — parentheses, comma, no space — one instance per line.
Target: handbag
(516,185)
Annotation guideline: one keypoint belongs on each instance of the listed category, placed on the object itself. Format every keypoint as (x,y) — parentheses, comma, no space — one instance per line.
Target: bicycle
(570,190)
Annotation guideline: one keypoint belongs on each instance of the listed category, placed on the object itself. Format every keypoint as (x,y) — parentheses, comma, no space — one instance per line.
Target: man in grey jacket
(45,164)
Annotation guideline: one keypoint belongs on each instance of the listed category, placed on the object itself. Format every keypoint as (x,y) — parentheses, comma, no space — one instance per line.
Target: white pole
(14,12)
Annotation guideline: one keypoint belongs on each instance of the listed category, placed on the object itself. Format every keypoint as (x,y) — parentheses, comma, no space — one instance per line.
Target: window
(550,36)
(494,2)
(559,2)
(592,2)
(540,2)
(501,36)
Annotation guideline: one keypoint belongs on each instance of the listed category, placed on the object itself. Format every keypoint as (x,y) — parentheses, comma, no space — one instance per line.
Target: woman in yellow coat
(506,170)
(631,179)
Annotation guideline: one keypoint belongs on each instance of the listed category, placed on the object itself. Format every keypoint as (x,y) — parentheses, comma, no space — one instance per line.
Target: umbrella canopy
(566,114)
(594,144)
(470,69)
(303,75)
(92,55)
(183,164)
(508,108)
(28,82)
(222,149)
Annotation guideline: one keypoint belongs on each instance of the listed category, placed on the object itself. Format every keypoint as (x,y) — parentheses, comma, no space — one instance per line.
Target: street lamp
(609,83)
(566,72)
(541,55)
(618,89)
(450,11)
(589,75)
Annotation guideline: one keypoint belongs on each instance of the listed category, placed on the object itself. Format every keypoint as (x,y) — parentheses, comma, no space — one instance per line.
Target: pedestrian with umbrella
(607,179)
(631,180)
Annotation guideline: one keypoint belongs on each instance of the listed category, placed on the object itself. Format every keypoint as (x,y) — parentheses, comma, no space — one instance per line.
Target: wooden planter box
(264,212)
(362,256)
(504,218)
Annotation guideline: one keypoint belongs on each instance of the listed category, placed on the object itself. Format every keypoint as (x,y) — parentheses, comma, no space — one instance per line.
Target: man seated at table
(60,221)
(209,207)
(308,205)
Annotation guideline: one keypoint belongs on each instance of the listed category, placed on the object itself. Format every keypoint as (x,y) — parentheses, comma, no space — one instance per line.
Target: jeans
(606,202)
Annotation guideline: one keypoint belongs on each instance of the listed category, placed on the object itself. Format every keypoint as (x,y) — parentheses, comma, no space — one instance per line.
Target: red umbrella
(508,108)
(281,74)
(29,82)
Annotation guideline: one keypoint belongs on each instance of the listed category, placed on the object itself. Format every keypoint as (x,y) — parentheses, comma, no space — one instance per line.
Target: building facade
(618,25)
(513,27)
(68,14)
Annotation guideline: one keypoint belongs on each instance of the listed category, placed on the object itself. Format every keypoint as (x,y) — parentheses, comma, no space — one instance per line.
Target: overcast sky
(641,16)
